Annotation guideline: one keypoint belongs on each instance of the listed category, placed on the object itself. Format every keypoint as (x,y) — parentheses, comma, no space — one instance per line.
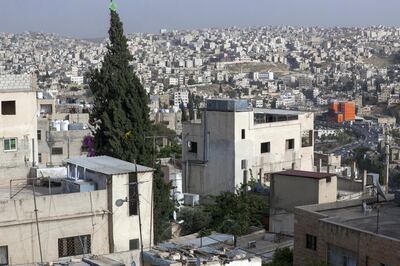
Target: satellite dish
(119,202)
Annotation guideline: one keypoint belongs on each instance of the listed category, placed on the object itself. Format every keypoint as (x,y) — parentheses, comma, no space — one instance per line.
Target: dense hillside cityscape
(274,145)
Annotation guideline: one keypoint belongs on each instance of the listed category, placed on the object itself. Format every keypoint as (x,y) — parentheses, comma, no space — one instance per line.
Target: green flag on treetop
(112,6)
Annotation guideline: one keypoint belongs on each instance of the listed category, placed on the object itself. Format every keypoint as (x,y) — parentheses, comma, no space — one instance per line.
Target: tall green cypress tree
(120,115)
(120,119)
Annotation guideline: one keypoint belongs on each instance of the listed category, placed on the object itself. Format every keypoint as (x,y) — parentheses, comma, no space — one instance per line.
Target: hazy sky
(89,18)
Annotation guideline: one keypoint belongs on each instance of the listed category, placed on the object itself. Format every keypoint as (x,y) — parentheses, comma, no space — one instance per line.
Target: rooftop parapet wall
(17,83)
(53,207)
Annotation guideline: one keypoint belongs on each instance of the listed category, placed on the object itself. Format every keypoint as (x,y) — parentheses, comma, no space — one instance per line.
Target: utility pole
(140,218)
(37,222)
(387,161)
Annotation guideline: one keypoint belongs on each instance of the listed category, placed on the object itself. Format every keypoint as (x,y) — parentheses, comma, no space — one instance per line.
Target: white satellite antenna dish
(120,202)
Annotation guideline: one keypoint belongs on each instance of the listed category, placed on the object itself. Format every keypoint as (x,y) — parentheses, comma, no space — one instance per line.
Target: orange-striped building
(340,112)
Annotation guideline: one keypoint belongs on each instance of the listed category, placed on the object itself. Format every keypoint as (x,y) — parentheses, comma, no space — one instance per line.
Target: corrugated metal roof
(305,174)
(107,165)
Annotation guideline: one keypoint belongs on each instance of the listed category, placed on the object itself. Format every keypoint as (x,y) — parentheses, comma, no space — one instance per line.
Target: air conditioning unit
(191,199)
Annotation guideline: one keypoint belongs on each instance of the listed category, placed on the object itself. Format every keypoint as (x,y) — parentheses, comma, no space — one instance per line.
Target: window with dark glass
(3,255)
(39,134)
(307,138)
(8,108)
(192,146)
(133,200)
(311,242)
(265,147)
(134,244)
(290,144)
(243,133)
(10,144)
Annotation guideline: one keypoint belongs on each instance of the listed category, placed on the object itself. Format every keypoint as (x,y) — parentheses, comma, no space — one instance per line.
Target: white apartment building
(235,143)
(181,97)
(95,210)
(18,124)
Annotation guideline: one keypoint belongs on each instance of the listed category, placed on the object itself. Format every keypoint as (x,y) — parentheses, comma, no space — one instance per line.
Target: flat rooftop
(107,165)
(305,174)
(354,217)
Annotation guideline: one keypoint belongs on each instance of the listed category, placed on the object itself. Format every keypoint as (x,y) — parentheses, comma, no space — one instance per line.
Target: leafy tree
(194,220)
(163,207)
(169,150)
(234,213)
(282,257)
(191,105)
(120,119)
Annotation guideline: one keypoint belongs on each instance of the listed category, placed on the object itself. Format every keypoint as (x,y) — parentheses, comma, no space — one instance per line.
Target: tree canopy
(120,119)
(120,116)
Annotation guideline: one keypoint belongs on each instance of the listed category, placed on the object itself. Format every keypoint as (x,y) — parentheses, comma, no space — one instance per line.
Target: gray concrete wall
(59,216)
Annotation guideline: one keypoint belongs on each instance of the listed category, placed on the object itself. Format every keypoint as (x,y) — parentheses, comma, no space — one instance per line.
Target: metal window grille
(57,150)
(72,246)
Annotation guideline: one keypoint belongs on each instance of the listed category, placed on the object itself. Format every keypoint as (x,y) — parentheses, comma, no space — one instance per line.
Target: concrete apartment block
(234,143)
(80,216)
(18,124)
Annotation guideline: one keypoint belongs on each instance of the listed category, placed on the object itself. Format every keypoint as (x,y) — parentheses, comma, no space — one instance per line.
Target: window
(8,108)
(290,144)
(134,244)
(244,164)
(307,138)
(3,255)
(328,179)
(40,157)
(133,194)
(243,134)
(265,147)
(57,150)
(39,134)
(311,242)
(10,144)
(192,146)
(72,246)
